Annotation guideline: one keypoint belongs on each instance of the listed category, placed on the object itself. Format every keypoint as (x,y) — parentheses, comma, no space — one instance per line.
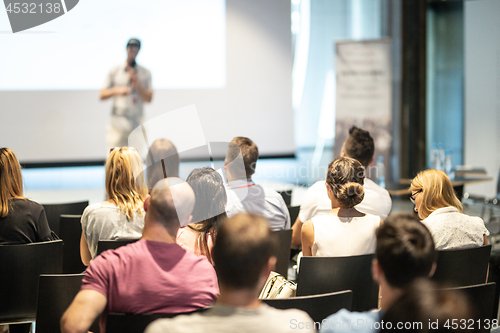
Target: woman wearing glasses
(441,211)
(344,231)
(122,215)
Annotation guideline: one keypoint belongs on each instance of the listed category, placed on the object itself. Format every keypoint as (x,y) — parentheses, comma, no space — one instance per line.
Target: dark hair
(210,206)
(426,304)
(345,176)
(405,249)
(163,161)
(243,247)
(249,153)
(359,145)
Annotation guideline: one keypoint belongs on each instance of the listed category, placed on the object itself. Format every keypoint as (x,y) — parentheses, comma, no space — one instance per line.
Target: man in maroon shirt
(152,275)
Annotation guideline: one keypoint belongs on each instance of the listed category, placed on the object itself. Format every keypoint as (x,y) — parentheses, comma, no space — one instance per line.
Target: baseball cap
(134,42)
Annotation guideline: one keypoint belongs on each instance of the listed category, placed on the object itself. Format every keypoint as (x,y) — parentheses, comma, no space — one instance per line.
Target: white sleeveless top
(344,236)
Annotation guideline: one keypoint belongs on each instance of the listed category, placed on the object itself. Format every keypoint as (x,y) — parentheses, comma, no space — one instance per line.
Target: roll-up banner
(364,95)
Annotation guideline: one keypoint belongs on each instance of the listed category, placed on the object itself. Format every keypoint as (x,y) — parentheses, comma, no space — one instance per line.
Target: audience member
(21,220)
(344,231)
(441,211)
(377,201)
(405,251)
(121,216)
(244,255)
(243,195)
(209,212)
(163,161)
(427,307)
(151,275)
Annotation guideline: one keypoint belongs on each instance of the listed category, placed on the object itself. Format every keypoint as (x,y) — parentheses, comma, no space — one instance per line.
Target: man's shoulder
(231,319)
(344,320)
(143,70)
(371,185)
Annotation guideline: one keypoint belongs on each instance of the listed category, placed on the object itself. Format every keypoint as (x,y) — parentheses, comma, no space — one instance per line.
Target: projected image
(183,45)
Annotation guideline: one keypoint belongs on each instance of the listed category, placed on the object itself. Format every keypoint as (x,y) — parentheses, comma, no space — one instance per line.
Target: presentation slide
(184,45)
(228,62)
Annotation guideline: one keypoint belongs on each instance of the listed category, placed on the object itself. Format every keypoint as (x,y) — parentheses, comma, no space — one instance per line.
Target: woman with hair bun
(441,211)
(344,231)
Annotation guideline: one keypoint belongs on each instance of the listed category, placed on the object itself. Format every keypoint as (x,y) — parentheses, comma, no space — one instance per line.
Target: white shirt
(228,319)
(344,236)
(245,196)
(130,105)
(377,201)
(105,221)
(454,230)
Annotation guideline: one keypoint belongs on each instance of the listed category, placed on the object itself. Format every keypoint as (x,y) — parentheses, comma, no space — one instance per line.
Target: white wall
(482,90)
(60,126)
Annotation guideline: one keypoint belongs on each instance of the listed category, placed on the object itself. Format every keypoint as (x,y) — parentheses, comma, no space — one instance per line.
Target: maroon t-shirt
(148,277)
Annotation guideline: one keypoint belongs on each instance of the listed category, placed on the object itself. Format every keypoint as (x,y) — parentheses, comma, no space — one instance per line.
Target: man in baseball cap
(130,86)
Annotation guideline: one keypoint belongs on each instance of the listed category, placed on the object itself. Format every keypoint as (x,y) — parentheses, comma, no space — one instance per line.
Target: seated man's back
(148,276)
(243,195)
(244,255)
(252,198)
(224,319)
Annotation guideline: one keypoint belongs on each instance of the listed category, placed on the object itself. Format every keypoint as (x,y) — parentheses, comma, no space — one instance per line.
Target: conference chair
(319,275)
(318,307)
(283,255)
(20,267)
(55,294)
(463,267)
(134,323)
(482,297)
(70,230)
(287,196)
(294,213)
(54,211)
(104,245)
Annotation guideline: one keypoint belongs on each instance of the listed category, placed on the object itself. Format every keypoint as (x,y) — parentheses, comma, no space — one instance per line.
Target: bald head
(172,202)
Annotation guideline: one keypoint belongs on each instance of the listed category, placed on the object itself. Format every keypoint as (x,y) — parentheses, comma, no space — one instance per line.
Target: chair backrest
(287,196)
(104,245)
(283,255)
(294,213)
(463,267)
(55,294)
(70,231)
(133,323)
(319,275)
(20,267)
(318,307)
(482,297)
(54,211)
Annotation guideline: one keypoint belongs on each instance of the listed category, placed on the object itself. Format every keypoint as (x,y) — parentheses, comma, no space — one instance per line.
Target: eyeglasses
(118,148)
(412,197)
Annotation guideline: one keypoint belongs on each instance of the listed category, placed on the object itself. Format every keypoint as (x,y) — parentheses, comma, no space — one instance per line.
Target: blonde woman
(344,231)
(122,215)
(441,211)
(21,220)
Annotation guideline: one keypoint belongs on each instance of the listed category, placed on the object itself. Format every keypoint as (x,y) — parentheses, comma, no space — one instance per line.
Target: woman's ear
(329,190)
